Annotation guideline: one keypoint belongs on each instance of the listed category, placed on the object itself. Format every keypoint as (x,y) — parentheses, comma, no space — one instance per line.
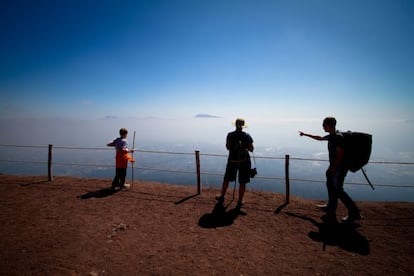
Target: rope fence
(287,161)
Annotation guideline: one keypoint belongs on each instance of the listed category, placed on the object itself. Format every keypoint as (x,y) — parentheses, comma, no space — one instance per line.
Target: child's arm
(131,159)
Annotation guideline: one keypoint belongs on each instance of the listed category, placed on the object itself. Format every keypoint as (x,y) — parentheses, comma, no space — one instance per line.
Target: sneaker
(220,199)
(352,218)
(322,207)
(329,218)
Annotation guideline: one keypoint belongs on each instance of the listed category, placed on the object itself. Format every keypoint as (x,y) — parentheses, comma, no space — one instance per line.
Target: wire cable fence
(357,183)
(195,169)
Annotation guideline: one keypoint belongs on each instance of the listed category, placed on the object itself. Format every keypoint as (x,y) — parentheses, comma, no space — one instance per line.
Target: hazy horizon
(391,140)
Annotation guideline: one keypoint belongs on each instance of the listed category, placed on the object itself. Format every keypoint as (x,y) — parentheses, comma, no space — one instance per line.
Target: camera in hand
(253,172)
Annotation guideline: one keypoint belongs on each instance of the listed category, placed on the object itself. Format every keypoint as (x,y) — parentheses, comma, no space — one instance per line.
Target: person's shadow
(219,217)
(98,194)
(343,235)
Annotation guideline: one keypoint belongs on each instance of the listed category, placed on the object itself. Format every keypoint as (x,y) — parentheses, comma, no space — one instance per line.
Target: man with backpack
(238,143)
(336,173)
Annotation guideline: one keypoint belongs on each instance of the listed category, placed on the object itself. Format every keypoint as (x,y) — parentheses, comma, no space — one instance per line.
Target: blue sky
(283,65)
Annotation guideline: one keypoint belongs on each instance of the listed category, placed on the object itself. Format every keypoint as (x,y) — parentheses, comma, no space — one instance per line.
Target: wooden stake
(132,154)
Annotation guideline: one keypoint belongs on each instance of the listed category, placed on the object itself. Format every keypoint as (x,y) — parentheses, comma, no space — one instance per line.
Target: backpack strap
(254,159)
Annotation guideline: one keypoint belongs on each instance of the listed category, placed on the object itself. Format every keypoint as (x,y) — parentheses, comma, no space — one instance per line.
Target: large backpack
(357,149)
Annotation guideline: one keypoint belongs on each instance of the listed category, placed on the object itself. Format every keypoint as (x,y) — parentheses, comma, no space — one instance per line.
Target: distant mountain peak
(206,116)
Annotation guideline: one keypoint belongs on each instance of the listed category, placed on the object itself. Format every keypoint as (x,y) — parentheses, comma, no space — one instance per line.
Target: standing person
(336,173)
(238,143)
(121,159)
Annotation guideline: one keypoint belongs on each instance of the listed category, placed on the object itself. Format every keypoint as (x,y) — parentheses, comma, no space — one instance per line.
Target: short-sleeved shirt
(238,143)
(334,141)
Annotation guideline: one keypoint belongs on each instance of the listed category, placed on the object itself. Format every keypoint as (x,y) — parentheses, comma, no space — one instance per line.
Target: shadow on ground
(219,217)
(98,194)
(343,235)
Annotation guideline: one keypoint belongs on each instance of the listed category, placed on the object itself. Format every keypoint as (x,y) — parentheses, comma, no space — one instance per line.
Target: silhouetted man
(238,143)
(336,173)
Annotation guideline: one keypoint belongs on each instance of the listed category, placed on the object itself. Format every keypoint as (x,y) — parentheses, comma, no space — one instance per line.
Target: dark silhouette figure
(239,144)
(336,173)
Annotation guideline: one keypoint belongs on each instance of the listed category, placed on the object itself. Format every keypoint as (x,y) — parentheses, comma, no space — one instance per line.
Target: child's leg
(116,181)
(122,176)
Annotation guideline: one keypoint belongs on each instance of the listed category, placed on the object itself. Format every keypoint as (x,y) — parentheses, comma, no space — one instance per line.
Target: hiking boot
(220,199)
(352,218)
(329,218)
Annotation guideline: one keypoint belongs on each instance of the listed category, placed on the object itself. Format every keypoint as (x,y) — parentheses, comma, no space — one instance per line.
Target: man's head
(329,124)
(239,123)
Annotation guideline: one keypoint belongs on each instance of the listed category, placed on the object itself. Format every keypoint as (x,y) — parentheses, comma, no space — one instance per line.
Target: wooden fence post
(197,155)
(287,157)
(49,163)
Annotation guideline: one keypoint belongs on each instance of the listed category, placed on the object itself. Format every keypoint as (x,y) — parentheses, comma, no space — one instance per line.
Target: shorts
(243,168)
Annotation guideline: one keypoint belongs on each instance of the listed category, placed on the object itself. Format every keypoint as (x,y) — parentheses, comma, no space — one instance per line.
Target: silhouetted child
(122,157)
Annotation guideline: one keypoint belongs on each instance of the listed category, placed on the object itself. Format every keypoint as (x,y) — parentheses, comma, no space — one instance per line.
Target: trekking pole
(254,159)
(234,189)
(132,154)
(366,177)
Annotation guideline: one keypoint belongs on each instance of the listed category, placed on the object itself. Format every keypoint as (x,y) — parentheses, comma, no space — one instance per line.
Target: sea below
(177,165)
